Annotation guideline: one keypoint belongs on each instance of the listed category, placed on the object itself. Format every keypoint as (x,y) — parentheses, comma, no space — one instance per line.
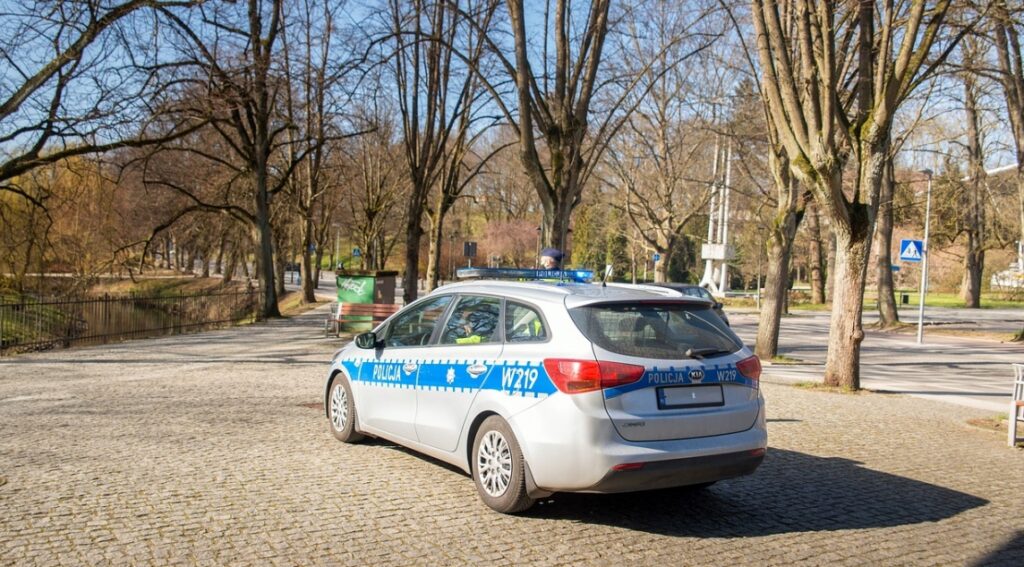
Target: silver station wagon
(535,388)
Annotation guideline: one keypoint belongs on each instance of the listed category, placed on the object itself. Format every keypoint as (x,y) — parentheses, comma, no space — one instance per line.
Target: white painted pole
(924,259)
(708,278)
(723,285)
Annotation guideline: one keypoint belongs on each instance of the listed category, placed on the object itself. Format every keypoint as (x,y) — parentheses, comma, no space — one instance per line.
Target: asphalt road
(966,371)
(971,372)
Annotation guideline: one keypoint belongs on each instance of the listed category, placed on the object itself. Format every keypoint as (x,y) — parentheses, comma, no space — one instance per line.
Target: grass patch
(997,423)
(990,300)
(290,304)
(783,359)
(166,287)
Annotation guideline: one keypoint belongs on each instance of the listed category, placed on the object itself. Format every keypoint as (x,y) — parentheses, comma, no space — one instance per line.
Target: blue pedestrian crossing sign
(911,250)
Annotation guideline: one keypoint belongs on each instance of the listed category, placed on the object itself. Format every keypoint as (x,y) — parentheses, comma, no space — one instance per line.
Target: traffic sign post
(923,251)
(911,250)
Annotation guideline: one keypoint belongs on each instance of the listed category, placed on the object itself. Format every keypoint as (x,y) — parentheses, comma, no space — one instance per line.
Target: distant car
(699,292)
(535,388)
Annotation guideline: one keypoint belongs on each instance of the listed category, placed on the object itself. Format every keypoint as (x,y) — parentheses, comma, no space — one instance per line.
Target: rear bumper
(572,446)
(681,472)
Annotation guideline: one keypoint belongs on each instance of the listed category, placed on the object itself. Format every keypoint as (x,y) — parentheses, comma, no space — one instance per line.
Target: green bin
(365,286)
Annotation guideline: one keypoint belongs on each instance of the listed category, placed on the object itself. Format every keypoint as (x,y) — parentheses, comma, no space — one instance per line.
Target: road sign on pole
(911,250)
(356,252)
(657,257)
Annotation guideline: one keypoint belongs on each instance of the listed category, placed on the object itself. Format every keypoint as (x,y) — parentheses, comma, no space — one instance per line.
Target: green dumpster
(365,286)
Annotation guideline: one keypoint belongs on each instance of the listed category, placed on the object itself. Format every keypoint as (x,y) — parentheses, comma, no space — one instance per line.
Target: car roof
(570,294)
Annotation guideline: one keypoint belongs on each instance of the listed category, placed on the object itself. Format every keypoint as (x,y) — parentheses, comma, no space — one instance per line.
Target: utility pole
(924,259)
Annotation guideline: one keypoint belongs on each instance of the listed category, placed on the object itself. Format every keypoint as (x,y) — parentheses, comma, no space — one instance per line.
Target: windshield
(656,330)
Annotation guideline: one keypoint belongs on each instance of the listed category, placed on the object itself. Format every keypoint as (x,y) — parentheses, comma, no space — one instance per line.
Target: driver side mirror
(718,305)
(367,340)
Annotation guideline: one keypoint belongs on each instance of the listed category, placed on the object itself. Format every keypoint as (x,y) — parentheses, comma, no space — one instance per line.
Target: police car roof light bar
(576,276)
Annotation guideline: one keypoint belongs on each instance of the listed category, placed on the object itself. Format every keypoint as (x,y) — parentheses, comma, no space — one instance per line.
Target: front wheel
(499,467)
(341,411)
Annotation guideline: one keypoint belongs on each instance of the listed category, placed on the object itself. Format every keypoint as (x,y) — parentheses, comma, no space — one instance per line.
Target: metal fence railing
(42,324)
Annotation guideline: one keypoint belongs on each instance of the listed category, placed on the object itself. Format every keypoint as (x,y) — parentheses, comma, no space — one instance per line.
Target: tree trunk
(974,263)
(168,247)
(219,269)
(842,366)
(318,261)
(830,266)
(661,267)
(435,244)
(279,273)
(229,268)
(413,236)
(776,285)
(265,238)
(816,259)
(973,210)
(888,316)
(205,252)
(308,294)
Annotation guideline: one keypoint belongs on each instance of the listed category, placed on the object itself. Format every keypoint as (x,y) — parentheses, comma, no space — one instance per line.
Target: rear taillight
(750,367)
(577,376)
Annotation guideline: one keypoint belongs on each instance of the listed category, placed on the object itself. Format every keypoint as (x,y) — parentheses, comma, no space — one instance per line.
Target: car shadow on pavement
(790,492)
(1009,554)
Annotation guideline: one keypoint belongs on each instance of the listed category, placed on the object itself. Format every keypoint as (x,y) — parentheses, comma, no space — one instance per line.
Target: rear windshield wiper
(700,353)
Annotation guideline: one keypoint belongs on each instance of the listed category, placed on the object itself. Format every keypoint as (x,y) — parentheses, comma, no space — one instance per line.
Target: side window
(473,321)
(415,327)
(523,324)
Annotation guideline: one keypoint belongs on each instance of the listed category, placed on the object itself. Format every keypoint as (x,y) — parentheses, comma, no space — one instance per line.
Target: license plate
(674,397)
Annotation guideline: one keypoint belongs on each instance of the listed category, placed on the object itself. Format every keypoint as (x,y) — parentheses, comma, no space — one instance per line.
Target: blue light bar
(577,276)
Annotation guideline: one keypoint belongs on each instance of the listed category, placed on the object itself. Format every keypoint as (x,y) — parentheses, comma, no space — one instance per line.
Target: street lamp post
(451,258)
(924,259)
(537,262)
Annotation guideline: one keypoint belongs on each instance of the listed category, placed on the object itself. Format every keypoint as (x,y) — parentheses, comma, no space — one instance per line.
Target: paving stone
(197,450)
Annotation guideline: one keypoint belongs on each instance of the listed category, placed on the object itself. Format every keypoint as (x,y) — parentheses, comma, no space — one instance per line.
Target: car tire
(499,469)
(341,411)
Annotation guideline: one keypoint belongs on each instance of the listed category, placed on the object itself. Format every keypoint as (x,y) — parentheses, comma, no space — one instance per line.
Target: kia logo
(696,375)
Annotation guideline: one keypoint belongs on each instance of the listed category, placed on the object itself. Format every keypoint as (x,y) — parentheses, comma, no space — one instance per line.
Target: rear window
(662,330)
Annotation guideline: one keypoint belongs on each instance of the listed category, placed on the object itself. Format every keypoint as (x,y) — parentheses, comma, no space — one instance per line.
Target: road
(971,372)
(966,371)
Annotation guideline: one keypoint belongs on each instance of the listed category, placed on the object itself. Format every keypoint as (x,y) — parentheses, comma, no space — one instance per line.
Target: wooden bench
(1016,405)
(348,313)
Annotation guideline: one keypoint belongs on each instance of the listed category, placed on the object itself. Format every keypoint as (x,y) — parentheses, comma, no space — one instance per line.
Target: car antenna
(607,274)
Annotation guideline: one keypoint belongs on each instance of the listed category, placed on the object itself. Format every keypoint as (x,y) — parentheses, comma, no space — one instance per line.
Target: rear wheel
(499,467)
(341,411)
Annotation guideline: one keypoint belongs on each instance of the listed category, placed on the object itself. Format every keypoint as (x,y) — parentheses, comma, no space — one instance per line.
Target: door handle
(476,370)
(410,367)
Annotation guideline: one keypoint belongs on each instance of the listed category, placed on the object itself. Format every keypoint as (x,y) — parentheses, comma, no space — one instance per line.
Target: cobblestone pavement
(202,449)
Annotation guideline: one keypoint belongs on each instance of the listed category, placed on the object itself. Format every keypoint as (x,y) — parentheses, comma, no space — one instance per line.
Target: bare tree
(883,55)
(76,80)
(315,107)
(1006,24)
(377,187)
(437,88)
(236,56)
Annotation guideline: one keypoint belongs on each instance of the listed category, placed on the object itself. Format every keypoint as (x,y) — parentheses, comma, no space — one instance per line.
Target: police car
(535,388)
